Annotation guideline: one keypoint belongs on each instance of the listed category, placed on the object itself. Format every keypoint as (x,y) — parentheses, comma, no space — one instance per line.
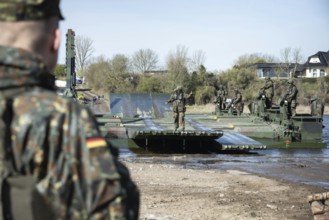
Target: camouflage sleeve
(85,180)
(268,85)
(171,99)
(292,93)
(188,96)
(237,99)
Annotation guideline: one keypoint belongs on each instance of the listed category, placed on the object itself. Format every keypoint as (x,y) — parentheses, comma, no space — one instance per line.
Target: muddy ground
(170,191)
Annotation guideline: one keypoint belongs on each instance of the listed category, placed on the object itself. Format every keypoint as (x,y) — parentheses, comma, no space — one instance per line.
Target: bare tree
(198,58)
(297,57)
(145,60)
(84,51)
(290,58)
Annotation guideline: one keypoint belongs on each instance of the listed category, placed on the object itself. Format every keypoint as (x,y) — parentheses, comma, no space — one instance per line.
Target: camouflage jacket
(291,94)
(58,142)
(269,87)
(178,101)
(221,93)
(237,101)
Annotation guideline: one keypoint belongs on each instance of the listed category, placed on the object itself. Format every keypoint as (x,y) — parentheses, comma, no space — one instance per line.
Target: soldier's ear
(51,55)
(55,39)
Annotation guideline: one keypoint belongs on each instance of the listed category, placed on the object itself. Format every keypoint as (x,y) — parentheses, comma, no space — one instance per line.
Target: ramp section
(139,105)
(237,141)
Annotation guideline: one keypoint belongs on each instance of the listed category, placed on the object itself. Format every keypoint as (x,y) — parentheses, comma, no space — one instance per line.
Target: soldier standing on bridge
(178,100)
(220,98)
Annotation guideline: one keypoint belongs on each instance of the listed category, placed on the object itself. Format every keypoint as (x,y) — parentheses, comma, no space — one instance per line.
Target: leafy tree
(154,84)
(98,75)
(111,75)
(243,75)
(59,71)
(249,59)
(122,79)
(120,64)
(204,94)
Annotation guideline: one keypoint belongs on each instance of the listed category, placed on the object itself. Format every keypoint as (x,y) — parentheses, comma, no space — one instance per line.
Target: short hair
(29,35)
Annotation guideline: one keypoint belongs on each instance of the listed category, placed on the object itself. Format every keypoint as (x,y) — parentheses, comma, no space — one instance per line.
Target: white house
(316,65)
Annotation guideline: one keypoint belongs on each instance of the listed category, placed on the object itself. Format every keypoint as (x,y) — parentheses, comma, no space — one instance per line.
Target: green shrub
(204,95)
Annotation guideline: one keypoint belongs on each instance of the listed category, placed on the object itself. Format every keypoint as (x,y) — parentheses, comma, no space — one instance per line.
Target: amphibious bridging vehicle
(275,126)
(144,120)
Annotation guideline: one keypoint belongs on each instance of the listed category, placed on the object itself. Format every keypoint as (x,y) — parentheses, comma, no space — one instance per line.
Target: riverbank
(170,192)
(209,108)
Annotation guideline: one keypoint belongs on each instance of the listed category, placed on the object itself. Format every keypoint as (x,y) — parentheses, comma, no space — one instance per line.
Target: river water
(308,166)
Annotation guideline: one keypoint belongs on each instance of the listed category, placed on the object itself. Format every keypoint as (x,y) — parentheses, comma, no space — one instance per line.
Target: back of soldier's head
(290,81)
(178,89)
(28,24)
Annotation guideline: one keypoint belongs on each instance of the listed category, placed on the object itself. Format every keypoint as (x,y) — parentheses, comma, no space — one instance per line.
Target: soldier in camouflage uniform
(237,102)
(178,100)
(291,97)
(52,139)
(268,89)
(317,107)
(220,98)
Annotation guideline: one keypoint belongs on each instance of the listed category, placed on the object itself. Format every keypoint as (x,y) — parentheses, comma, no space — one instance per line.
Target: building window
(314,72)
(266,72)
(322,72)
(314,60)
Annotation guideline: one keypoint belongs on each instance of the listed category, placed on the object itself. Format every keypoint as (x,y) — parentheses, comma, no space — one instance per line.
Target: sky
(222,29)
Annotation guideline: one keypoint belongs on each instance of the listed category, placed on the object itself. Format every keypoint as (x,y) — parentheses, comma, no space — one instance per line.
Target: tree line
(131,74)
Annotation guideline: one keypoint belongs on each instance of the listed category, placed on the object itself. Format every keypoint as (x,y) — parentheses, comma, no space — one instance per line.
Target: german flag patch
(96,142)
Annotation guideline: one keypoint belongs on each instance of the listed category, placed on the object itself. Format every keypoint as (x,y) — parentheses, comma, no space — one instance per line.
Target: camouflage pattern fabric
(269,92)
(291,97)
(221,97)
(292,92)
(269,88)
(58,142)
(26,10)
(178,100)
(237,102)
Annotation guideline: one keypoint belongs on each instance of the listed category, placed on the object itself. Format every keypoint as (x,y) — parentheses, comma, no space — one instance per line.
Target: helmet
(267,77)
(313,98)
(291,81)
(178,88)
(31,10)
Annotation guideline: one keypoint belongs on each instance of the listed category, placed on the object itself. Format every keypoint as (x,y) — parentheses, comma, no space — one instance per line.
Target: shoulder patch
(96,142)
